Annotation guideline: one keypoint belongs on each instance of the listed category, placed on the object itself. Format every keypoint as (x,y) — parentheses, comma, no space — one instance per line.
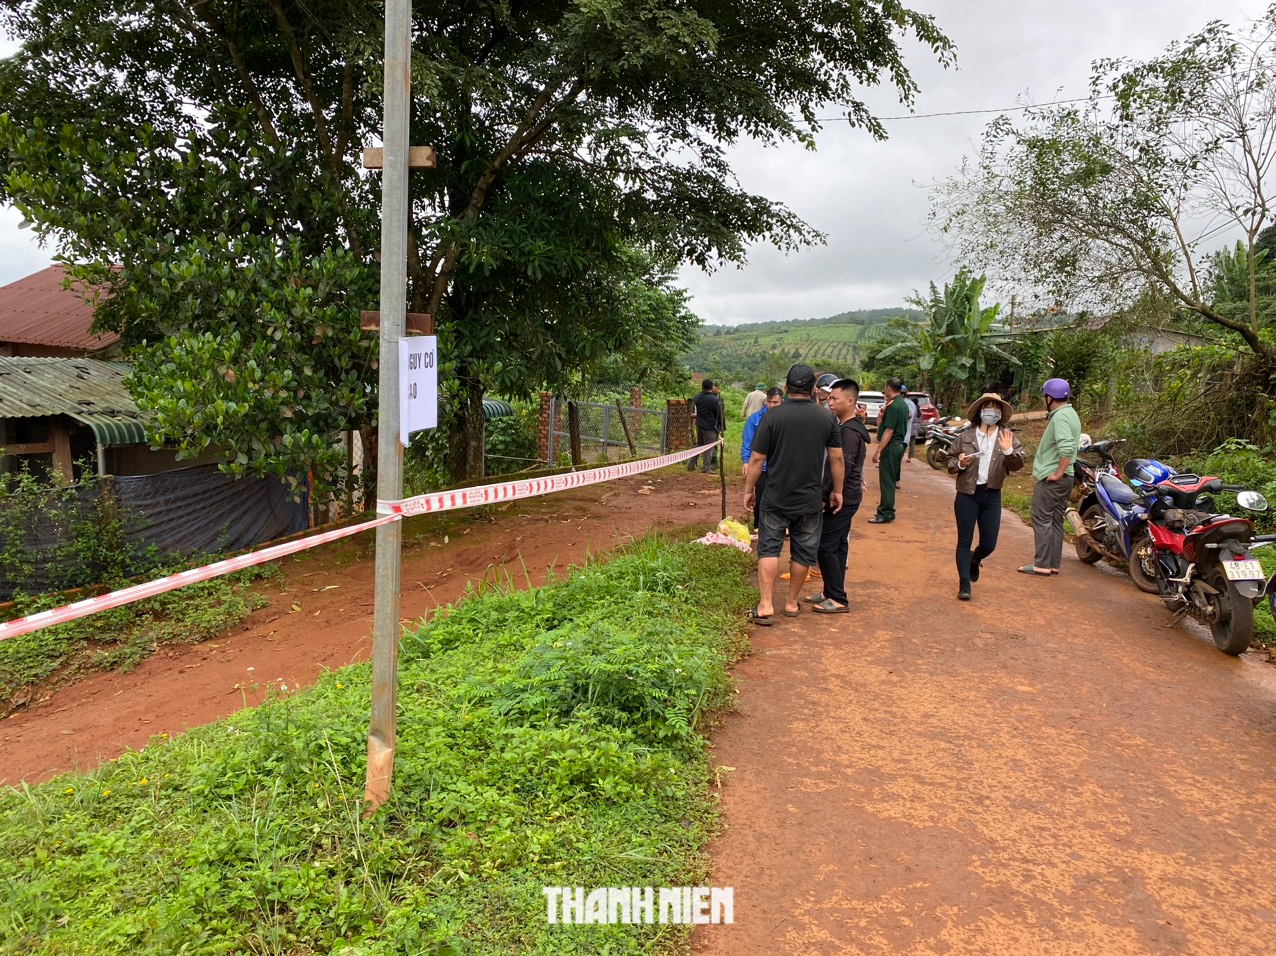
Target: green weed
(123,637)
(546,737)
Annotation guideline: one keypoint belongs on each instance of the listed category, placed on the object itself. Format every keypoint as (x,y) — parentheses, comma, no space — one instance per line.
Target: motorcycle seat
(1184,489)
(1118,491)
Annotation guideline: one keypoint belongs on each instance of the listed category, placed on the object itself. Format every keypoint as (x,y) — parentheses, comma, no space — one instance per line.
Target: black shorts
(804,535)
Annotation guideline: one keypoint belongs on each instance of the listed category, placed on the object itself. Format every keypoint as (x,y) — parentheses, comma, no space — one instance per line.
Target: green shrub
(544,738)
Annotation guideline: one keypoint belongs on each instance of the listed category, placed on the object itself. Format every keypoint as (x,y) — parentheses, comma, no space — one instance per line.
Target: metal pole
(394,280)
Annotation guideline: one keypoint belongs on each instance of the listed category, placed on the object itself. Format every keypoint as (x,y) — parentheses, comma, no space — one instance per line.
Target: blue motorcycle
(1110,521)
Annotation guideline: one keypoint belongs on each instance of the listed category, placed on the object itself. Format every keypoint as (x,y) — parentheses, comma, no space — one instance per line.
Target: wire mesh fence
(607,432)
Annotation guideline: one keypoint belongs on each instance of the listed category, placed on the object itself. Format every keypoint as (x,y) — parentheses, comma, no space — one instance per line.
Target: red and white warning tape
(172,582)
(528,487)
(390,511)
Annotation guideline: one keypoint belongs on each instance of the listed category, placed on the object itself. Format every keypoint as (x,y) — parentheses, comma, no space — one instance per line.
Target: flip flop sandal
(830,607)
(762,620)
(787,613)
(1029,569)
(814,598)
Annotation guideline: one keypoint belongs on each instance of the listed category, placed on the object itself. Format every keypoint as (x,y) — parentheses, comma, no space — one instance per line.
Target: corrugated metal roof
(36,310)
(495,408)
(88,390)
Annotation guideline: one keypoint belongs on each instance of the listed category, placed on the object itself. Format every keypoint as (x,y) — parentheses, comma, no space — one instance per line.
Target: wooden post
(625,425)
(722,474)
(62,451)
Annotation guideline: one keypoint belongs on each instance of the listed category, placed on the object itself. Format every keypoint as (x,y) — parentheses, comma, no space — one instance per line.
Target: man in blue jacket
(774,397)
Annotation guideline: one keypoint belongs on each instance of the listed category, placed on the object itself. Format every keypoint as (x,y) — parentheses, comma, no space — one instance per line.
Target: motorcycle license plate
(1243,570)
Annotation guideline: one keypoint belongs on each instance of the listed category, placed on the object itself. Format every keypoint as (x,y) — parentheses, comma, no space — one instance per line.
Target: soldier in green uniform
(892,440)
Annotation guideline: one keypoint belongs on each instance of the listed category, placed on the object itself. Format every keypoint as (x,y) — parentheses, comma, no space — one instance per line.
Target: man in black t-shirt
(791,440)
(836,526)
(711,422)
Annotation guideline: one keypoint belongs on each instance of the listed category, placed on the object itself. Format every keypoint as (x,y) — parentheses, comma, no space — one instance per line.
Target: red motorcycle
(1201,560)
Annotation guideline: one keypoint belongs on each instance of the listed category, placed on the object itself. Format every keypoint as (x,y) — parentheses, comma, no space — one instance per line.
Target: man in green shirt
(892,439)
(1052,468)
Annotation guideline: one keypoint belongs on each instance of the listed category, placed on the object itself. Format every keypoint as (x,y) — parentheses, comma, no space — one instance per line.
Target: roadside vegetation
(63,542)
(34,665)
(549,736)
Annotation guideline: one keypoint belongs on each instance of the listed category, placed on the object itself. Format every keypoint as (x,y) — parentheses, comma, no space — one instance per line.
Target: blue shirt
(746,439)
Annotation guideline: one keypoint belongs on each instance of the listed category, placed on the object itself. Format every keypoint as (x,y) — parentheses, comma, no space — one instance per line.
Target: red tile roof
(36,310)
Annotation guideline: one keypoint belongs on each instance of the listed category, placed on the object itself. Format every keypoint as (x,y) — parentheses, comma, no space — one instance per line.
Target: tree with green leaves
(951,344)
(1096,205)
(569,133)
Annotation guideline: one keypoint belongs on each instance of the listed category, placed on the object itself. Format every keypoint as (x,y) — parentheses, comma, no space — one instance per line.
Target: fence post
(635,402)
(573,431)
(545,429)
(629,439)
(606,435)
(678,424)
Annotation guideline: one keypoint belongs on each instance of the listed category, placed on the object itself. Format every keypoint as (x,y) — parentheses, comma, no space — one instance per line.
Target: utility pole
(394,290)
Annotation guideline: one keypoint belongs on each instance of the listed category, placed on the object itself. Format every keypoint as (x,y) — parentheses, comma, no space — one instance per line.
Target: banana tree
(952,342)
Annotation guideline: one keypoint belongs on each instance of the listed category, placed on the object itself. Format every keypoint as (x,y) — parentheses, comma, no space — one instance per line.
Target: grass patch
(550,736)
(123,637)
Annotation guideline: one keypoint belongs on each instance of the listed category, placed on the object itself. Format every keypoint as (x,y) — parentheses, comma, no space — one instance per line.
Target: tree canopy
(582,151)
(1094,206)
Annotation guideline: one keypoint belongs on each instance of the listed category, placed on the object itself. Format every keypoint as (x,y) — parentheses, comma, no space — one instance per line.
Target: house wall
(140,460)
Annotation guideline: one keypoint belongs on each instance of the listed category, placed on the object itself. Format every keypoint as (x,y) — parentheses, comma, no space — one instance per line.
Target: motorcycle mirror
(1251,500)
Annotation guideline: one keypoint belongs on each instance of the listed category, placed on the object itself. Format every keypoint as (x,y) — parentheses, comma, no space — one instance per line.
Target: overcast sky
(868,196)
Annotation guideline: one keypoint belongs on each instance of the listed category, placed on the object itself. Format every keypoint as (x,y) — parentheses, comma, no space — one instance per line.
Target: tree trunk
(466,429)
(368,474)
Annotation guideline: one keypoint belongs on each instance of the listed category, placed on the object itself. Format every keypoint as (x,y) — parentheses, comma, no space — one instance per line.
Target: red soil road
(331,625)
(1047,769)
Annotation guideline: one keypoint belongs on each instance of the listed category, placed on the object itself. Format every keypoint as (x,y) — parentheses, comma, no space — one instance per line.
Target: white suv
(873,401)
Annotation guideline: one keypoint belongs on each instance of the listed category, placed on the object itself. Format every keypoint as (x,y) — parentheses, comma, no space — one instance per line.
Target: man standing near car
(791,442)
(710,423)
(836,526)
(892,433)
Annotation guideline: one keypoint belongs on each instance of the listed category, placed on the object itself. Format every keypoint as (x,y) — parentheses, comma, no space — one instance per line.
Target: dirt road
(321,617)
(1046,769)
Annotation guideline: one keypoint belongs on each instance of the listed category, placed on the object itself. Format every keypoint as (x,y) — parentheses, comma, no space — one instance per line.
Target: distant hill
(764,350)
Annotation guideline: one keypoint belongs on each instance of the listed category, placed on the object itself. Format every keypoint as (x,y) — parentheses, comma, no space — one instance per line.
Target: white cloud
(19,254)
(866,195)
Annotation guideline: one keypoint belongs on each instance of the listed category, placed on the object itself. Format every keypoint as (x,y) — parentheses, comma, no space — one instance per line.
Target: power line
(1007,109)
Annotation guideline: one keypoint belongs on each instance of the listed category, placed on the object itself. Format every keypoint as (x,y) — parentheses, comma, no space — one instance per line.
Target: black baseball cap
(825,382)
(801,378)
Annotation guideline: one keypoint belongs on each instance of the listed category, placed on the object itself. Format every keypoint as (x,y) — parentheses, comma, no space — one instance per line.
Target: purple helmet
(1056,388)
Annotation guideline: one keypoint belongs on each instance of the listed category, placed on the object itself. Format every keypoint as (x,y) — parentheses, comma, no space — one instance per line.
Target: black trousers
(703,437)
(834,547)
(983,509)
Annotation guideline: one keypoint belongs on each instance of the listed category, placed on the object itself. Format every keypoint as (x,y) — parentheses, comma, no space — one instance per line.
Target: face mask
(990,416)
